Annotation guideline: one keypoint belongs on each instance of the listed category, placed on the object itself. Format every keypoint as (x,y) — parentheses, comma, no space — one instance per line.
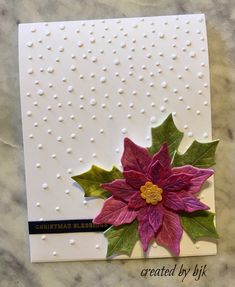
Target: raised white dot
(58,176)
(94,59)
(93,102)
(73,136)
(181,98)
(185,127)
(92,140)
(54,253)
(188,43)
(71,241)
(92,40)
(45,186)
(163,84)
(69,171)
(40,92)
(50,70)
(198,112)
(80,44)
(192,54)
(70,89)
(190,134)
(161,35)
(85,202)
(29,44)
(69,150)
(205,135)
(73,68)
(188,108)
(154,245)
(67,191)
(57,208)
(102,79)
(153,120)
(173,56)
(97,246)
(59,139)
(200,75)
(116,62)
(40,146)
(29,113)
(61,49)
(60,119)
(162,109)
(53,156)
(30,71)
(142,111)
(101,131)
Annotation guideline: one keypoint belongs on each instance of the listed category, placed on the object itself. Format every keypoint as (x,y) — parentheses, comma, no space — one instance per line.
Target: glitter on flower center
(151,193)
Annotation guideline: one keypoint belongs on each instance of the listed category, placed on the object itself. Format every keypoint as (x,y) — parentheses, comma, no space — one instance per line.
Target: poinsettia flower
(153,193)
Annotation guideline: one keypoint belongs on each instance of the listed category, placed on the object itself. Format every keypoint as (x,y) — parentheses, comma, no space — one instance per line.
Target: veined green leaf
(91,180)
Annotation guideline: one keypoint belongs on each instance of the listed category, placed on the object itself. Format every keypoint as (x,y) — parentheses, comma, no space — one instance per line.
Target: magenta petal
(119,189)
(115,212)
(135,179)
(199,176)
(136,201)
(135,157)
(176,182)
(183,201)
(146,232)
(156,172)
(156,216)
(170,233)
(164,159)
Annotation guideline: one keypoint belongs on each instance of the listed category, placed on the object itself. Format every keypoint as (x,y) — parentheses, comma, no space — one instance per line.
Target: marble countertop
(15,267)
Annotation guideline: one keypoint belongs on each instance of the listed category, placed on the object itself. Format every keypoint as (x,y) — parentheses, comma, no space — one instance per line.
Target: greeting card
(118,147)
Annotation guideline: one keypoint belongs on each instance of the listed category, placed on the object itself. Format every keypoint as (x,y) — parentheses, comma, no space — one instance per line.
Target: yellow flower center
(151,193)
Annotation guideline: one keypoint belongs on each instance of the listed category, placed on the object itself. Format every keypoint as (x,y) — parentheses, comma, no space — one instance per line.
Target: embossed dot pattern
(85,85)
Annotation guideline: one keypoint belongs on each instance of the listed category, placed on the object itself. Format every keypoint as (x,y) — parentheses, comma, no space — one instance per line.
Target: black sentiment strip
(65,226)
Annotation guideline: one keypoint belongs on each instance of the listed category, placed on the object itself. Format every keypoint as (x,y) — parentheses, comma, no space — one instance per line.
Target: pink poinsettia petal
(164,159)
(145,229)
(119,189)
(135,157)
(156,215)
(136,201)
(170,233)
(199,176)
(176,182)
(135,179)
(115,212)
(183,201)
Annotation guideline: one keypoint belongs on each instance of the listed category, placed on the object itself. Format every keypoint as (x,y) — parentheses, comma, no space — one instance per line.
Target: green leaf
(91,180)
(199,224)
(166,132)
(121,239)
(198,154)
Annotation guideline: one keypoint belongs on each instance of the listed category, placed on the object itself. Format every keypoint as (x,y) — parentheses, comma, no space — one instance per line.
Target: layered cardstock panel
(85,86)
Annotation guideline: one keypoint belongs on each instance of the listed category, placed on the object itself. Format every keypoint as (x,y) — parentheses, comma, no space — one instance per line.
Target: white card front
(85,85)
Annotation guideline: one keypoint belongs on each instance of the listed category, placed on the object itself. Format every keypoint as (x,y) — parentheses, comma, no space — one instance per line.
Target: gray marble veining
(15,268)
